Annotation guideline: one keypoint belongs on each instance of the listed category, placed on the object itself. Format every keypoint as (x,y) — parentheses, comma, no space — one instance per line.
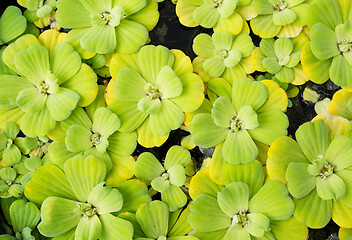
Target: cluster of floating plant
(68,165)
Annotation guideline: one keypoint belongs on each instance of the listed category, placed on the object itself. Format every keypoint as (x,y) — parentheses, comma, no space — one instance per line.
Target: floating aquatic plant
(11,146)
(316,170)
(165,179)
(244,208)
(9,183)
(328,54)
(50,86)
(222,15)
(12,24)
(281,18)
(280,57)
(153,89)
(79,199)
(238,121)
(224,55)
(38,10)
(109,25)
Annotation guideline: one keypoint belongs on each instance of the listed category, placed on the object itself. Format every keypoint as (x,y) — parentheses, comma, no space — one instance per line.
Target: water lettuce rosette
(224,55)
(317,172)
(237,121)
(78,205)
(51,84)
(153,89)
(109,25)
(221,15)
(279,18)
(244,207)
(327,56)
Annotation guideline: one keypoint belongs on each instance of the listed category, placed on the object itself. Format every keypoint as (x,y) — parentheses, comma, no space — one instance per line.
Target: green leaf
(147,167)
(205,132)
(220,87)
(324,43)
(227,8)
(206,15)
(252,174)
(203,45)
(58,216)
(313,138)
(177,155)
(48,180)
(237,233)
(341,214)
(319,10)
(152,59)
(267,47)
(271,65)
(12,24)
(24,214)
(343,31)
(285,75)
(121,169)
(283,46)
(243,43)
(222,40)
(169,117)
(332,187)
(313,211)
(299,181)
(147,16)
(169,85)
(153,219)
(264,26)
(105,122)
(149,106)
(115,228)
(99,38)
(130,36)
(33,63)
(97,6)
(340,71)
(88,228)
(11,155)
(344,175)
(222,112)
(61,104)
(258,224)
(248,117)
(77,117)
(67,18)
(272,124)
(273,201)
(84,174)
(214,66)
(202,183)
(37,123)
(85,84)
(234,198)
(105,199)
(234,24)
(135,194)
(129,86)
(30,100)
(254,95)
(161,185)
(233,58)
(206,215)
(338,153)
(177,175)
(65,62)
(10,130)
(239,147)
(122,144)
(10,87)
(284,17)
(174,197)
(131,7)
